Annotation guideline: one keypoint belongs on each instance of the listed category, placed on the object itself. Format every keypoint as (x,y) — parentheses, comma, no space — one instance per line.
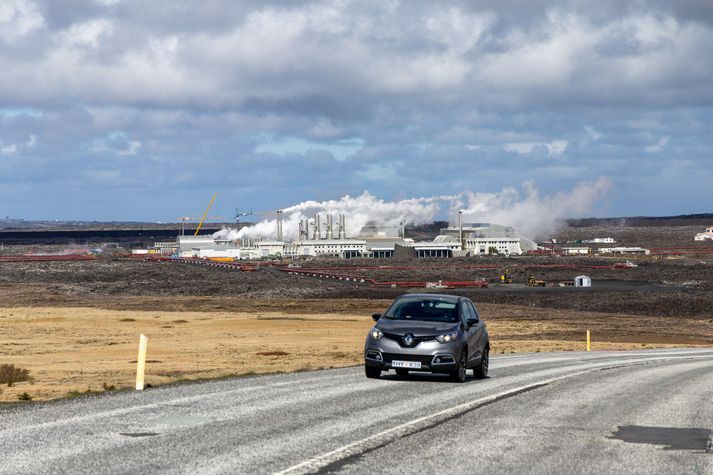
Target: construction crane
(239,214)
(205,213)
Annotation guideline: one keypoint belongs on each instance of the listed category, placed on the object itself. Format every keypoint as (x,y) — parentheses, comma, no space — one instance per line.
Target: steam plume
(534,215)
(360,210)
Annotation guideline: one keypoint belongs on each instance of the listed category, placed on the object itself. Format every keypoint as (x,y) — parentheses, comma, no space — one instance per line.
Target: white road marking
(314,464)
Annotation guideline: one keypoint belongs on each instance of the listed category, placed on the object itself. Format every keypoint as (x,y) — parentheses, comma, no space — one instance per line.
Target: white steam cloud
(359,210)
(534,215)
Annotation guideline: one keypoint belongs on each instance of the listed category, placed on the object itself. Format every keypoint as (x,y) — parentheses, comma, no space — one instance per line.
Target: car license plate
(406,364)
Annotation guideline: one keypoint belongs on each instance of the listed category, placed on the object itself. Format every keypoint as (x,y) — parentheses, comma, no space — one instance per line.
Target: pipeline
(382,284)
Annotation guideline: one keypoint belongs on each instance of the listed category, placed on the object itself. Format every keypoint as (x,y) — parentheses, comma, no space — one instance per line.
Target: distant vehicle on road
(428,332)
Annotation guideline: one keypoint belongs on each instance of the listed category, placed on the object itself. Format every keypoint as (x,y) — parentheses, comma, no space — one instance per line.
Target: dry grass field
(72,350)
(75,325)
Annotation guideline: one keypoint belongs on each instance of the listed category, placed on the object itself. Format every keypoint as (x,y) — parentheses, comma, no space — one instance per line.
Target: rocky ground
(74,325)
(676,287)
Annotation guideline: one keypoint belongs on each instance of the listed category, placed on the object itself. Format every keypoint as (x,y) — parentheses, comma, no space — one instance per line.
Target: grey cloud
(429,89)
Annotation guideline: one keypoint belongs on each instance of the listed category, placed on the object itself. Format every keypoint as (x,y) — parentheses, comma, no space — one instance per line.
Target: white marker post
(141,363)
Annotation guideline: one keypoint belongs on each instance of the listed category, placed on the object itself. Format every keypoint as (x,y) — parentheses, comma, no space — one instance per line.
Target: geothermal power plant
(325,234)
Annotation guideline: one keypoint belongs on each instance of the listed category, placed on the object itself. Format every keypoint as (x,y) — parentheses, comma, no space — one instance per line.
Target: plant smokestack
(460,228)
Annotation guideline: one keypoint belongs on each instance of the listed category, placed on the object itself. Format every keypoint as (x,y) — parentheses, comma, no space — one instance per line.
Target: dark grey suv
(428,332)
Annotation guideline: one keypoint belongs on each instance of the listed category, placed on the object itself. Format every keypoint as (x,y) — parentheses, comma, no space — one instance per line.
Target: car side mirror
(376,316)
(472,321)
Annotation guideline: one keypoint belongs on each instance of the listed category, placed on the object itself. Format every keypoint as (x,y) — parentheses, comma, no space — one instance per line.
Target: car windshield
(432,310)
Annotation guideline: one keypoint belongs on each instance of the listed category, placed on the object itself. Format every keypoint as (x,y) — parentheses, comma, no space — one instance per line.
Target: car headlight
(447,337)
(375,333)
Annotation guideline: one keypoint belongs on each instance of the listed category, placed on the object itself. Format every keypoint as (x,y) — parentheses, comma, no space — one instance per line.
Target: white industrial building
(484,238)
(605,240)
(503,245)
(576,251)
(439,247)
(166,247)
(623,250)
(332,247)
(706,236)
(322,237)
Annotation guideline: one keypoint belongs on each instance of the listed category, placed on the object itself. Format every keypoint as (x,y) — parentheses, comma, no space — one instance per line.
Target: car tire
(481,371)
(402,372)
(458,376)
(374,373)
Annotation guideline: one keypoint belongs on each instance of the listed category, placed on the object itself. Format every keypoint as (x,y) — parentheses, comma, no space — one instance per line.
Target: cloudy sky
(121,109)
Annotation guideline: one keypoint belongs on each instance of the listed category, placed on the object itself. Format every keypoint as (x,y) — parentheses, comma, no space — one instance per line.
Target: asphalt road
(600,412)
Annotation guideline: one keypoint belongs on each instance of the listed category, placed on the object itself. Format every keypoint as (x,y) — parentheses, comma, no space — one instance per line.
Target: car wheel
(458,375)
(402,372)
(374,373)
(481,371)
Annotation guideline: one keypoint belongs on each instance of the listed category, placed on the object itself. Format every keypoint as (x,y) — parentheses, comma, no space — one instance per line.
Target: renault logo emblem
(408,339)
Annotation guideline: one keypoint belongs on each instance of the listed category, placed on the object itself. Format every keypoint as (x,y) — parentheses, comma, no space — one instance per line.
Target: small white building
(604,240)
(576,251)
(333,247)
(436,248)
(706,236)
(501,245)
(205,253)
(582,281)
(624,250)
(166,247)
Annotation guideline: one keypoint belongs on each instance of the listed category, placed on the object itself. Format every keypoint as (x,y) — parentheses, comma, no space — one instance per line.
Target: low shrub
(77,393)
(10,375)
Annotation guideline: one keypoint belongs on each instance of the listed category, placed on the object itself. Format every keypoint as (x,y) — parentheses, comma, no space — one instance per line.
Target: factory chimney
(330,232)
(460,228)
(279,225)
(317,227)
(342,226)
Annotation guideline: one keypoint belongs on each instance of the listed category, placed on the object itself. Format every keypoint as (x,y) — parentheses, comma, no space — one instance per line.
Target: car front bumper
(434,357)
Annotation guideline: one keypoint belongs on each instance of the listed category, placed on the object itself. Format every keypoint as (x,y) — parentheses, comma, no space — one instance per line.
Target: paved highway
(599,412)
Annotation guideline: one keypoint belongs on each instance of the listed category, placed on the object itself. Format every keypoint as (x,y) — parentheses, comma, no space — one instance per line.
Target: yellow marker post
(589,345)
(141,363)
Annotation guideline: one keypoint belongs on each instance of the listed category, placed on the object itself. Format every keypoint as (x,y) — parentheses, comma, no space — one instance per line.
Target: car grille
(416,339)
(389,357)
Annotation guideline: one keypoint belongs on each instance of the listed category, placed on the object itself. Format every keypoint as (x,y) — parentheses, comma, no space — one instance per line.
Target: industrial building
(605,240)
(345,248)
(322,236)
(624,250)
(487,238)
(576,251)
(437,248)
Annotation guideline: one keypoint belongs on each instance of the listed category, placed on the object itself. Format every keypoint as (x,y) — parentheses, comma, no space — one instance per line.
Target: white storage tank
(582,281)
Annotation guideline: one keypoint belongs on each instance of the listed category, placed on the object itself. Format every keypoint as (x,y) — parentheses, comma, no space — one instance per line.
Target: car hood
(415,327)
